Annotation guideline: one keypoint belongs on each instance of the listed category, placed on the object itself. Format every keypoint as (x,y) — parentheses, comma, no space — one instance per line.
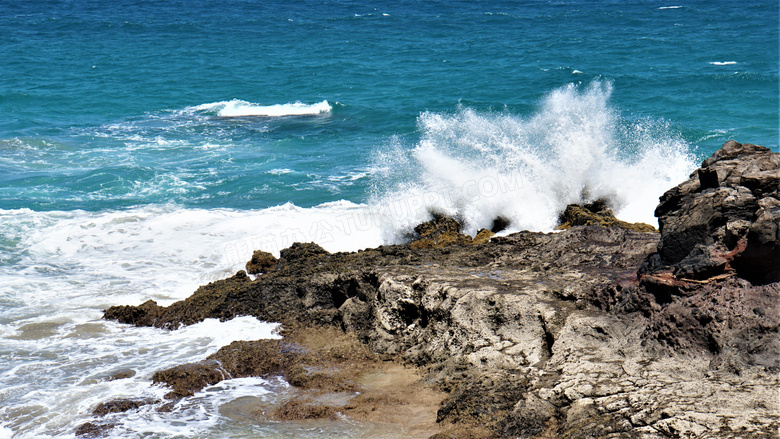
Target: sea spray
(478,166)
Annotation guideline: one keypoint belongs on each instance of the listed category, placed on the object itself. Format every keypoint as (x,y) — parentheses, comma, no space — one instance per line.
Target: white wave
(61,269)
(723,63)
(576,148)
(195,416)
(239,108)
(670,7)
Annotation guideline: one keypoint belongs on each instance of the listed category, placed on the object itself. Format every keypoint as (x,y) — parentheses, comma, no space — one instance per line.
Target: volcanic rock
(597,213)
(261,262)
(534,334)
(724,219)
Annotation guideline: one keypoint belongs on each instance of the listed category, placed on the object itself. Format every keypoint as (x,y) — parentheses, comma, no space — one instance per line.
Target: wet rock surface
(597,213)
(534,334)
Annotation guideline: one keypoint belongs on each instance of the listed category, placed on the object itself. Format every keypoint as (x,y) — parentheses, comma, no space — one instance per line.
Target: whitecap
(670,7)
(723,63)
(280,171)
(239,108)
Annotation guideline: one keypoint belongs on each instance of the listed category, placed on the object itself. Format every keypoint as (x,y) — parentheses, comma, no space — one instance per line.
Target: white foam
(280,171)
(239,108)
(193,416)
(723,63)
(576,148)
(670,7)
(56,351)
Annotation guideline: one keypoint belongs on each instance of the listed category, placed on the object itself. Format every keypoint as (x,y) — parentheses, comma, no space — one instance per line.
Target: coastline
(540,335)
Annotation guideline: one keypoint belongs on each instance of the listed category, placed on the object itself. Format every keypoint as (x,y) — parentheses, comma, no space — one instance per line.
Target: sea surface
(147,147)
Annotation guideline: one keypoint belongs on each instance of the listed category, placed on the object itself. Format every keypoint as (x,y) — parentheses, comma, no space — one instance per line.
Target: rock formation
(547,335)
(598,213)
(724,219)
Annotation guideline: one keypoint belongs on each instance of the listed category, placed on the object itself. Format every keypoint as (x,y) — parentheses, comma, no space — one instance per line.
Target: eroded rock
(261,262)
(723,219)
(540,335)
(597,213)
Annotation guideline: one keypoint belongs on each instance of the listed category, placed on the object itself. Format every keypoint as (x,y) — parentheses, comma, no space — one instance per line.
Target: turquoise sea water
(148,147)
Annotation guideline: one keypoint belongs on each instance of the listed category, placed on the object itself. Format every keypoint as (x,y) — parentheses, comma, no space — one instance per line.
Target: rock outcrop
(550,335)
(724,219)
(597,213)
(261,262)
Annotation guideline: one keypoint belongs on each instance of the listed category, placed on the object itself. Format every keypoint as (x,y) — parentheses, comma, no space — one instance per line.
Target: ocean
(148,147)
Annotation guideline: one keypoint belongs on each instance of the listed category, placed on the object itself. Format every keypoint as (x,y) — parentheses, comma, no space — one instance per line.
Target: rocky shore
(600,330)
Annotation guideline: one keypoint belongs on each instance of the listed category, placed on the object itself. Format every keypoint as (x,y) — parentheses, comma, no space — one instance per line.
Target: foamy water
(576,148)
(239,108)
(61,269)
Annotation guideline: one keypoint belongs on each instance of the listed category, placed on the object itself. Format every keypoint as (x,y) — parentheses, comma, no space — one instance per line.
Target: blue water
(147,147)
(89,88)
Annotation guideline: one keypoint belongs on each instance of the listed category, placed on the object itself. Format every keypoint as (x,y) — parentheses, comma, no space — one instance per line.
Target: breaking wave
(478,166)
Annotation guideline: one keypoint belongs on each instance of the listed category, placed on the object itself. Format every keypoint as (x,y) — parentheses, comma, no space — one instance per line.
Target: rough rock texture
(305,357)
(553,335)
(442,231)
(120,405)
(261,262)
(725,218)
(597,212)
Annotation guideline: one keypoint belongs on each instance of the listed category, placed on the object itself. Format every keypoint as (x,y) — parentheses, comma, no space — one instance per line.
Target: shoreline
(533,334)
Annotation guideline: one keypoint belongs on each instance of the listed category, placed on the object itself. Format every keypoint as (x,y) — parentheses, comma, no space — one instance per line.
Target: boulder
(439,232)
(724,219)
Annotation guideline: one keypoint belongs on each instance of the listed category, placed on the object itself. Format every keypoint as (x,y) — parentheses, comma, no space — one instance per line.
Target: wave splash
(239,108)
(478,166)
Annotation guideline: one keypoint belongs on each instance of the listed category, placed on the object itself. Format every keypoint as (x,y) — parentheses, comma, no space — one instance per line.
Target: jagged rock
(483,236)
(442,231)
(300,251)
(145,314)
(261,262)
(439,232)
(236,360)
(597,213)
(724,218)
(208,301)
(543,335)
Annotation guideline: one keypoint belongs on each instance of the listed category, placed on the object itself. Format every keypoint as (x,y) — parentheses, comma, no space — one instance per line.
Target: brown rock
(120,405)
(439,232)
(533,334)
(187,379)
(261,262)
(597,213)
(89,429)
